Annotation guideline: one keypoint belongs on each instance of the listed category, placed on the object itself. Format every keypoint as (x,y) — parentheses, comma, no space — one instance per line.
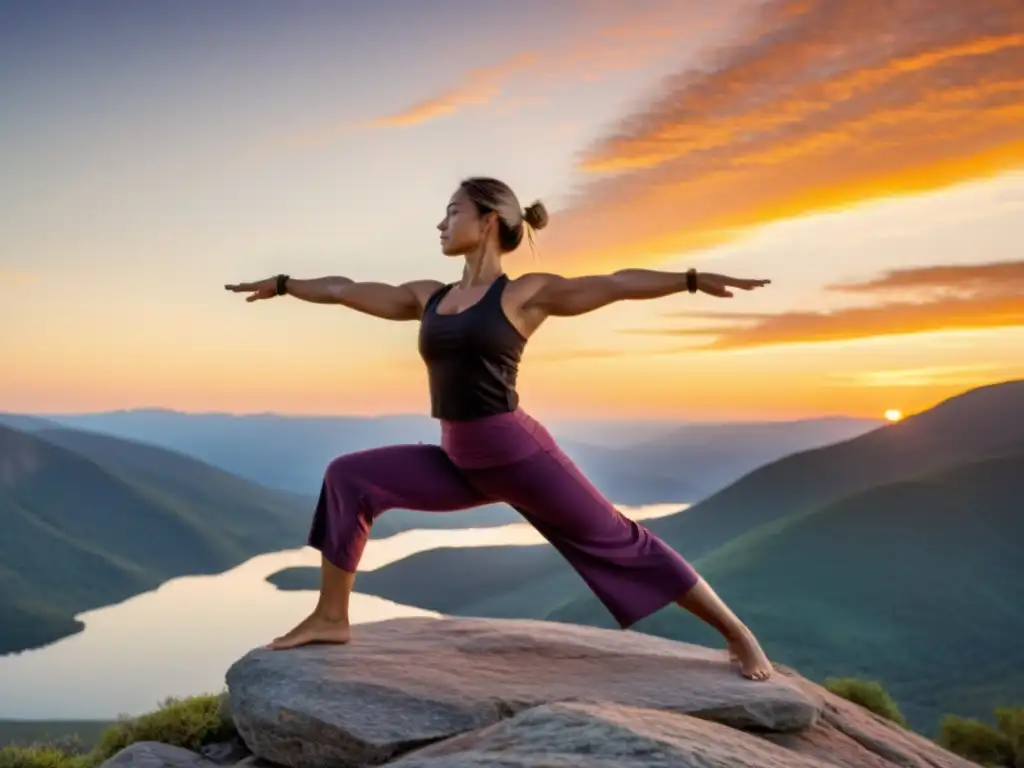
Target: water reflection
(179,639)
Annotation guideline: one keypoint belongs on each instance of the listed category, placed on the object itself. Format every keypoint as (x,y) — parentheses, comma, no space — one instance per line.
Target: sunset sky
(867,157)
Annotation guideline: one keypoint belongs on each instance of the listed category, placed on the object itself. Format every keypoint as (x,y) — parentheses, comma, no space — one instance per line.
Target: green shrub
(1011,722)
(868,694)
(190,723)
(975,741)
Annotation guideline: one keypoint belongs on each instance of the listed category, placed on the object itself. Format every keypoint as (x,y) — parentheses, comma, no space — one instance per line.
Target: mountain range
(894,555)
(888,552)
(90,520)
(631,462)
(99,507)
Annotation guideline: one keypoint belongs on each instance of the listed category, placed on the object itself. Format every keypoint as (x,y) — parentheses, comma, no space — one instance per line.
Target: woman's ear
(491,221)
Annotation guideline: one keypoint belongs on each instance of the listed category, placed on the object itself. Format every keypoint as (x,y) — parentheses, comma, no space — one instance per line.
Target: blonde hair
(491,195)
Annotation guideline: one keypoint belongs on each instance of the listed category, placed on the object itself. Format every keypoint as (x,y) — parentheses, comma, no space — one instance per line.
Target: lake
(179,639)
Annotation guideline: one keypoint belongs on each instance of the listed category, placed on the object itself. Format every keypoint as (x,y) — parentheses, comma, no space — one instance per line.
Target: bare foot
(745,651)
(315,628)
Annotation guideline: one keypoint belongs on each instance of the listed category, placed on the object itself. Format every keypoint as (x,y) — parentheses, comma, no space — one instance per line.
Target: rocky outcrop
(426,692)
(410,682)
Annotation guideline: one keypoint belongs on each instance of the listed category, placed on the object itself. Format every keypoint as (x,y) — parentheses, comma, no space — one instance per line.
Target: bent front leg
(357,487)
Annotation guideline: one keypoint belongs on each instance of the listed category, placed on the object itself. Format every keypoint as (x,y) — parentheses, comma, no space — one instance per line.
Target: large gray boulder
(574,735)
(406,683)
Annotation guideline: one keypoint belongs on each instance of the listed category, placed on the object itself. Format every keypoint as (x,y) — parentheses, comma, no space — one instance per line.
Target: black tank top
(472,358)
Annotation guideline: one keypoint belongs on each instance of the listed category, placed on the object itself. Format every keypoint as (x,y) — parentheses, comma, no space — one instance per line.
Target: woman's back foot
(746,652)
(314,629)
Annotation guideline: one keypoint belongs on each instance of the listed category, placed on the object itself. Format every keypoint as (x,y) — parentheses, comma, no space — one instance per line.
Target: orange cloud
(822,105)
(969,297)
(609,37)
(479,87)
(640,38)
(991,277)
(929,376)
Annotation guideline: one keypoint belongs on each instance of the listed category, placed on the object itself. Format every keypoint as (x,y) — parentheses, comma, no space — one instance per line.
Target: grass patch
(995,746)
(1001,746)
(868,694)
(190,723)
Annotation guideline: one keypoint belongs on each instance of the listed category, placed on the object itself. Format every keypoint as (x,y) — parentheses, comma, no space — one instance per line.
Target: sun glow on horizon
(893,414)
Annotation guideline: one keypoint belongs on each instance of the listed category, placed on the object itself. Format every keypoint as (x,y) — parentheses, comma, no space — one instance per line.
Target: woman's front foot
(315,628)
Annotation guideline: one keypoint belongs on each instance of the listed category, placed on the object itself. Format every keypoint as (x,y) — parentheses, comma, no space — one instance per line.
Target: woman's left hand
(719,285)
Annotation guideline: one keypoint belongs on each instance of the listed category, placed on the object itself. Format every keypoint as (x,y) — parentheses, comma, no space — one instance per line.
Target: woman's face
(463,229)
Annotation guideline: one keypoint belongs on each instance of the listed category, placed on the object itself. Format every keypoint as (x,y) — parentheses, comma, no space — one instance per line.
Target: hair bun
(536,215)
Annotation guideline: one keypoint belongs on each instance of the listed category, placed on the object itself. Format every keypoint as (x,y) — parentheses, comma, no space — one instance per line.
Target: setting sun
(893,414)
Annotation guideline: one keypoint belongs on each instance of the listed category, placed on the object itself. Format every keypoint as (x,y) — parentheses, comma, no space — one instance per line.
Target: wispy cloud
(969,297)
(480,86)
(943,375)
(629,39)
(606,38)
(992,277)
(823,104)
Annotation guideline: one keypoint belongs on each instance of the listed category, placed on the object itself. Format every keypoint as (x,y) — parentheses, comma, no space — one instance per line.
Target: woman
(471,337)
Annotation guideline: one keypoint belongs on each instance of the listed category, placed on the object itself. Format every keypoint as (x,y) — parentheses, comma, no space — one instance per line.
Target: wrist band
(282,285)
(691,280)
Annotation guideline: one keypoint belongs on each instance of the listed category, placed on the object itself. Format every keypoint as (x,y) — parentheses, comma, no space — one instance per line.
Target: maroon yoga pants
(507,458)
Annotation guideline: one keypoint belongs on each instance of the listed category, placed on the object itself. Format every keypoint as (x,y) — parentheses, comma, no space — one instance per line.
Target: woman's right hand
(261,289)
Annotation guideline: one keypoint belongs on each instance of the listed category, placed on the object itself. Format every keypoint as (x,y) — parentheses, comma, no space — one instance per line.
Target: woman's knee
(341,467)
(345,480)
(353,467)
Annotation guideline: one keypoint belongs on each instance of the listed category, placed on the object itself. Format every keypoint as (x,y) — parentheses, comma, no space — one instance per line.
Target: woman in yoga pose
(471,337)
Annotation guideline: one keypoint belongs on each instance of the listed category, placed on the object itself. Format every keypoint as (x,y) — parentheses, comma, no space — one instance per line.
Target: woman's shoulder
(524,287)
(426,291)
(532,281)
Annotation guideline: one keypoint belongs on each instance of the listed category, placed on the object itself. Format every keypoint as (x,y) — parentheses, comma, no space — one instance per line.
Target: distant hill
(193,479)
(284,452)
(967,427)
(917,583)
(979,423)
(632,463)
(691,462)
(894,555)
(26,423)
(90,520)
(173,470)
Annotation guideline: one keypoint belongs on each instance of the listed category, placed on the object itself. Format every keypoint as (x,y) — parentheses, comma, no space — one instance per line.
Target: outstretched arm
(390,302)
(566,296)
